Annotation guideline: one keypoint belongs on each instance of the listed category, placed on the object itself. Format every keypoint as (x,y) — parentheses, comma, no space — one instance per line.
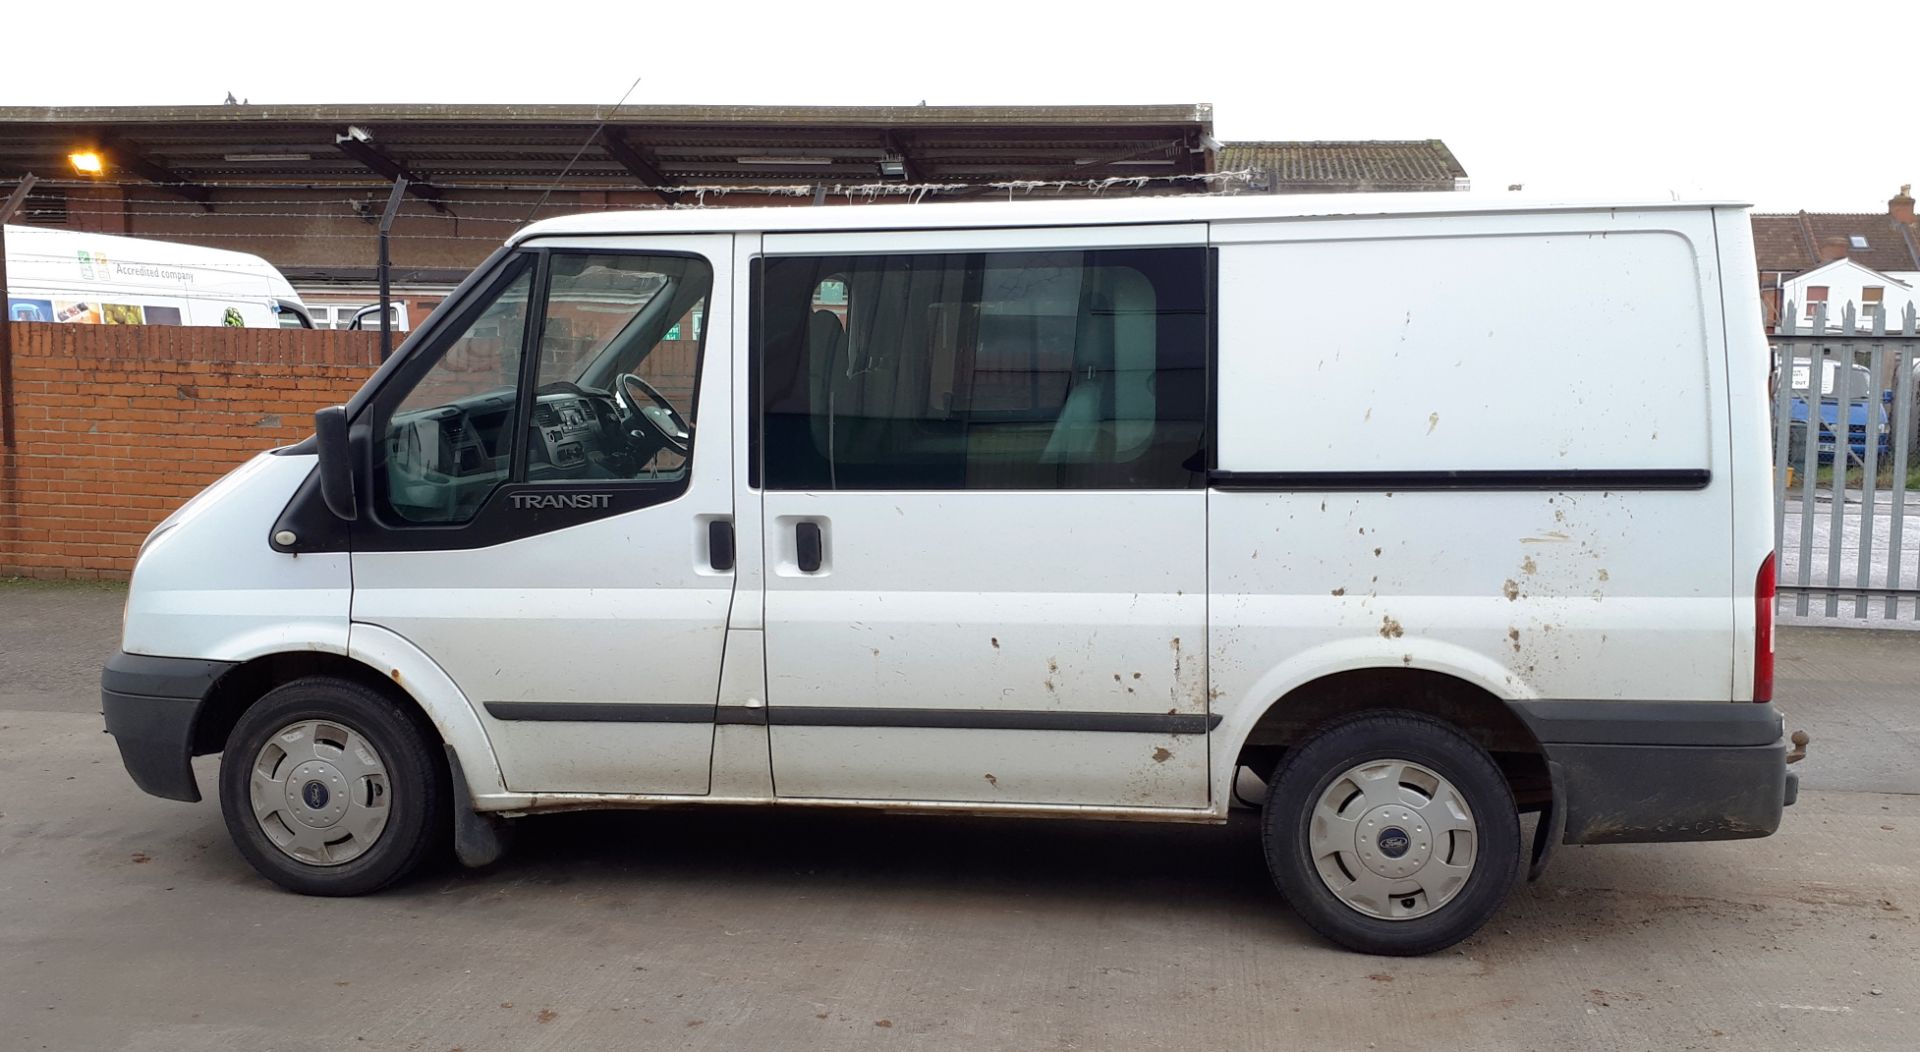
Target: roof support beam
(1094,167)
(122,154)
(634,159)
(376,160)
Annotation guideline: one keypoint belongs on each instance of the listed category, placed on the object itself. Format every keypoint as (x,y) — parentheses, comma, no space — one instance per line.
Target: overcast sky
(1806,106)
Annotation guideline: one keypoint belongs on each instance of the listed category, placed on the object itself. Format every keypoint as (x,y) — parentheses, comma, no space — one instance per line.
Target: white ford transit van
(1429,511)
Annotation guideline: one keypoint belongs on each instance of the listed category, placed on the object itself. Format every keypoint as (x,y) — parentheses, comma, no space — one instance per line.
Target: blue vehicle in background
(1867,410)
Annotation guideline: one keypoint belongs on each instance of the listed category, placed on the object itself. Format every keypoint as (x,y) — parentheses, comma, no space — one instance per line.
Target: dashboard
(443,462)
(571,429)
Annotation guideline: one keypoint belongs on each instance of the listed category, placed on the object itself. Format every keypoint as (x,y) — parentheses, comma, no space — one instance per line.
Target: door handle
(720,545)
(806,545)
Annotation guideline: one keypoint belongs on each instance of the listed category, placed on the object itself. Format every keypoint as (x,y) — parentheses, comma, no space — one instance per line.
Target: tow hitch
(1799,740)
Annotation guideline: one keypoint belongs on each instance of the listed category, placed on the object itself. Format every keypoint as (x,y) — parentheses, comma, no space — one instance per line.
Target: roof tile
(1791,243)
(1322,166)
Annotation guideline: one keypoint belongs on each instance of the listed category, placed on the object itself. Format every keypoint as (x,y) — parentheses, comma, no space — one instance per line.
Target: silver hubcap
(319,792)
(1392,839)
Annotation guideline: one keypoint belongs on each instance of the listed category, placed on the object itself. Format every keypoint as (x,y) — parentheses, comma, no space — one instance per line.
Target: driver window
(618,357)
(449,443)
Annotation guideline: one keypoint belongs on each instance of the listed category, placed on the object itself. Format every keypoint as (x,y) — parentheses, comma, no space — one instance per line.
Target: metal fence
(1845,459)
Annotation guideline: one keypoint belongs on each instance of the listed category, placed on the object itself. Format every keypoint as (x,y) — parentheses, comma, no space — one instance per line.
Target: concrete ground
(128,922)
(1818,531)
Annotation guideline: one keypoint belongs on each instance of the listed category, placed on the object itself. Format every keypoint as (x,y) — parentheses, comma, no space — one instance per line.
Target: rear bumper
(150,705)
(1643,772)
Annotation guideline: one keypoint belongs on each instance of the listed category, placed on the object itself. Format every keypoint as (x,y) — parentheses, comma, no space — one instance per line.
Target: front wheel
(329,789)
(1392,833)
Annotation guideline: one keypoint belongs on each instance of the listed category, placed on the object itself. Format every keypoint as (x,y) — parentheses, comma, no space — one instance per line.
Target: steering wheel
(659,423)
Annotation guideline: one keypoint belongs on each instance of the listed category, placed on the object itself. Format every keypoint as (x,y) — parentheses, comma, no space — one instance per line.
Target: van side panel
(1361,362)
(88,277)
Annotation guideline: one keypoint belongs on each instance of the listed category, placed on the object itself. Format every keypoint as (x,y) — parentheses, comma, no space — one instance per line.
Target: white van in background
(1429,511)
(76,276)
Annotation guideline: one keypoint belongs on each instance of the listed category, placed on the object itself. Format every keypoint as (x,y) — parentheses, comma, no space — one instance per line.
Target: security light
(87,162)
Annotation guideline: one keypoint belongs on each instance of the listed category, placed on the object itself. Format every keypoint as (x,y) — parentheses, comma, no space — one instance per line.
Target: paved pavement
(128,922)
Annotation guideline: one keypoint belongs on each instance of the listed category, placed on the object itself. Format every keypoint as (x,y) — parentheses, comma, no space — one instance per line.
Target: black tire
(415,787)
(1309,769)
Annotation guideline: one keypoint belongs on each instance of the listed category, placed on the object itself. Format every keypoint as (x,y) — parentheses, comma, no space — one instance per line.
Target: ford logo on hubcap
(1394,842)
(315,796)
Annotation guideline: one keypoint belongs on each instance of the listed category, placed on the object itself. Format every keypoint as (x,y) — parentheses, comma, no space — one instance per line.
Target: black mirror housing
(336,462)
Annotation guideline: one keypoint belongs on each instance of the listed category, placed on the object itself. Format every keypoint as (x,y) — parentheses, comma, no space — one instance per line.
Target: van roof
(1023,211)
(32,250)
(30,238)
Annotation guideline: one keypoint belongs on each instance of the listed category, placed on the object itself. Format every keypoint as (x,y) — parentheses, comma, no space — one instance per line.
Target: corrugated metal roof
(634,146)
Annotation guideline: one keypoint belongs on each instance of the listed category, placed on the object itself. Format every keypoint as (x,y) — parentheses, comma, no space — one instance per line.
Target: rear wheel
(328,788)
(1392,833)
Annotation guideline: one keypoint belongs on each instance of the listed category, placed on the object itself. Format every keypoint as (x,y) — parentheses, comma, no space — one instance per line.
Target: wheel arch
(378,660)
(1466,705)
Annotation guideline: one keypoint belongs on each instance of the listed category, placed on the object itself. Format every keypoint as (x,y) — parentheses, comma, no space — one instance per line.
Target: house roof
(1849,264)
(1791,243)
(1419,164)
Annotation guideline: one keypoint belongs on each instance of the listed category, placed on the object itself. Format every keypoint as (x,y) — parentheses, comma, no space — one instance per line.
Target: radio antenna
(592,135)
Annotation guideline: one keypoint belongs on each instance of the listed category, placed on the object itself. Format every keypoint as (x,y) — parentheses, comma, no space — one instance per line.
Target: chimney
(1900,206)
(1832,248)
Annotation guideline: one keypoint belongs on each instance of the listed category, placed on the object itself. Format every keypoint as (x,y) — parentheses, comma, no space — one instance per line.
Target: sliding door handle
(720,545)
(806,546)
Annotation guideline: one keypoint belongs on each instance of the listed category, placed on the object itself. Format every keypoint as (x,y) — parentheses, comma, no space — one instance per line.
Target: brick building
(303,186)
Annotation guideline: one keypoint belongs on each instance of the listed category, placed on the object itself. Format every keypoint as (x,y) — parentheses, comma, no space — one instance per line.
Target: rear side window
(1003,370)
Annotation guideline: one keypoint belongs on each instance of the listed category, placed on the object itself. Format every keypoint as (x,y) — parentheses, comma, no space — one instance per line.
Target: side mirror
(336,461)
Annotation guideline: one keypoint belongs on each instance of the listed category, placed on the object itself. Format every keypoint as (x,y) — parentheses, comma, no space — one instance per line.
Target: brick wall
(116,426)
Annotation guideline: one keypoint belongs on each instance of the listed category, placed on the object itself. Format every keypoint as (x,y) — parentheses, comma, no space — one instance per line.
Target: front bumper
(150,705)
(1648,772)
